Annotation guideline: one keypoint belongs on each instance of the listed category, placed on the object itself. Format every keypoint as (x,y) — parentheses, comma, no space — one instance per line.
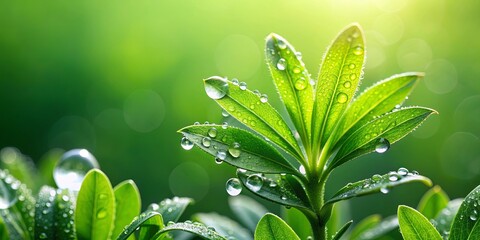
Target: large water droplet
(8,196)
(358,50)
(235,81)
(347,84)
(243,86)
(392,176)
(221,154)
(474,215)
(234,150)
(255,182)
(186,144)
(206,142)
(281,64)
(342,97)
(382,145)
(402,171)
(212,132)
(264,98)
(72,168)
(233,187)
(376,177)
(216,87)
(225,113)
(384,190)
(300,84)
(102,213)
(282,44)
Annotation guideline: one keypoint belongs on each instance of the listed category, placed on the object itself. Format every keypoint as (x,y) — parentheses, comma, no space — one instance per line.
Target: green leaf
(377,184)
(374,230)
(127,205)
(272,227)
(3,230)
(415,226)
(12,224)
(45,213)
(247,210)
(475,233)
(246,107)
(150,221)
(342,230)
(384,130)
(95,207)
(19,166)
(292,81)
(467,216)
(223,225)
(433,202)
(337,81)
(171,209)
(196,228)
(298,222)
(285,190)
(253,153)
(64,215)
(47,164)
(377,100)
(367,223)
(443,220)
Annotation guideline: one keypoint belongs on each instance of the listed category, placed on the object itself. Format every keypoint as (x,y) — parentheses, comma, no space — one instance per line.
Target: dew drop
(233,187)
(43,235)
(351,66)
(256,92)
(376,177)
(299,55)
(282,44)
(358,50)
(402,171)
(225,113)
(281,64)
(283,197)
(235,82)
(264,98)
(234,150)
(218,161)
(224,125)
(347,84)
(474,215)
(353,76)
(212,132)
(102,213)
(243,86)
(186,144)
(254,182)
(296,70)
(72,168)
(342,97)
(384,190)
(216,87)
(301,169)
(300,84)
(221,155)
(392,176)
(382,145)
(8,195)
(206,142)
(272,184)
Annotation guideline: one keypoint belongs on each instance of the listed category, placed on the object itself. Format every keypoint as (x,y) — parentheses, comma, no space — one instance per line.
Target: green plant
(290,163)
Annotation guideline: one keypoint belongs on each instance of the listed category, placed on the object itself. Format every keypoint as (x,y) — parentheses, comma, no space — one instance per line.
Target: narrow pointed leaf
(367,223)
(224,226)
(253,153)
(298,222)
(467,216)
(380,229)
(247,210)
(285,190)
(376,184)
(415,226)
(272,227)
(127,205)
(247,107)
(171,209)
(342,230)
(375,101)
(384,130)
(444,219)
(148,220)
(292,81)
(95,207)
(433,202)
(337,81)
(196,228)
(45,213)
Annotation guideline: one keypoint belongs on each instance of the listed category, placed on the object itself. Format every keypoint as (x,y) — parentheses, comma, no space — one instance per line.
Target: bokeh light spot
(467,115)
(189,180)
(441,76)
(414,55)
(460,155)
(390,26)
(238,56)
(144,110)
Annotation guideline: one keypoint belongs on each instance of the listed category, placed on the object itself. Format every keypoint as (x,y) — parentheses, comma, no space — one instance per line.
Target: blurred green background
(121,77)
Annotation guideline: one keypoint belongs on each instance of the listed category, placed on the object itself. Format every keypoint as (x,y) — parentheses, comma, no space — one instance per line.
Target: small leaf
(467,216)
(285,190)
(224,226)
(415,226)
(45,213)
(95,207)
(272,227)
(433,202)
(292,81)
(298,222)
(342,230)
(150,220)
(337,81)
(196,228)
(252,153)
(64,215)
(247,210)
(376,184)
(443,220)
(382,228)
(364,225)
(247,107)
(171,209)
(390,127)
(127,205)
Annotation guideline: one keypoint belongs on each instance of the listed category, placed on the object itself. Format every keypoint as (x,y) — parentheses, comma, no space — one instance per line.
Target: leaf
(377,230)
(24,206)
(433,202)
(298,222)
(95,207)
(337,81)
(292,81)
(3,230)
(377,100)
(150,220)
(45,213)
(467,216)
(171,209)
(19,166)
(285,190)
(475,233)
(247,210)
(272,227)
(364,225)
(224,226)
(388,128)
(12,224)
(64,215)
(253,153)
(376,184)
(196,228)
(246,107)
(342,230)
(415,226)
(47,164)
(127,205)
(443,220)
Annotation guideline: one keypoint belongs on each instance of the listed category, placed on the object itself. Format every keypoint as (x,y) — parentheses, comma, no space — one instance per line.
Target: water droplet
(235,82)
(353,76)
(301,169)
(196,123)
(218,161)
(402,171)
(376,177)
(243,86)
(241,170)
(299,55)
(272,184)
(221,155)
(382,145)
(415,172)
(206,142)
(102,213)
(347,84)
(342,97)
(300,84)
(296,70)
(225,113)
(8,195)
(254,182)
(264,98)
(358,50)
(233,187)
(212,132)
(72,168)
(351,66)
(186,144)
(224,125)
(216,87)
(281,64)
(282,44)
(234,150)
(474,215)
(43,236)
(384,190)
(283,197)
(256,92)
(392,176)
